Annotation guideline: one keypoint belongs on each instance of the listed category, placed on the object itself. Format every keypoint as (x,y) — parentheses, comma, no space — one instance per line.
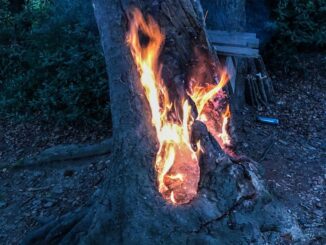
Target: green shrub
(300,27)
(51,63)
(302,22)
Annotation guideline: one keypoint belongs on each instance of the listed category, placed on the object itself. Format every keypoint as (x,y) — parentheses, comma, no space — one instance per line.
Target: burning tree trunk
(153,194)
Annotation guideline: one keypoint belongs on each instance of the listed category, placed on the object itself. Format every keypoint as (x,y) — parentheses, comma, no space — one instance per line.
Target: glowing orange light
(176,161)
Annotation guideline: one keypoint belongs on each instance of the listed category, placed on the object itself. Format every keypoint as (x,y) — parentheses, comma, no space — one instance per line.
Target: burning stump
(174,179)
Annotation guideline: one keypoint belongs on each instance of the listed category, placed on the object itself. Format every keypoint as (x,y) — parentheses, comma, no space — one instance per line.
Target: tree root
(62,153)
(63,230)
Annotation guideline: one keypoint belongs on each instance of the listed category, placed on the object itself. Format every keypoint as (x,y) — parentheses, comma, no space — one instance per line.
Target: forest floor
(292,156)
(293,153)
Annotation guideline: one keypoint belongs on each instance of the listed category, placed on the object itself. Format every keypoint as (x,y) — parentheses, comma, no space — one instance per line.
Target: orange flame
(224,135)
(202,94)
(202,90)
(176,163)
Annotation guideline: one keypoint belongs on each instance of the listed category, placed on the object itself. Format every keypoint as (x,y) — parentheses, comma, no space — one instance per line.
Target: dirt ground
(291,156)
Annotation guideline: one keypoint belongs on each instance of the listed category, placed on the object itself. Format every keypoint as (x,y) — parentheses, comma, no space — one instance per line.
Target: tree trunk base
(232,207)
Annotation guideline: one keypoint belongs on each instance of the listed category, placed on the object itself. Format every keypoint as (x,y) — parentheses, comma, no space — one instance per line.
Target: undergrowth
(52,67)
(301,27)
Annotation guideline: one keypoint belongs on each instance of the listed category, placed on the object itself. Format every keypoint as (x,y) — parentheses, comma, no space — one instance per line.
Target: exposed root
(225,214)
(63,153)
(63,230)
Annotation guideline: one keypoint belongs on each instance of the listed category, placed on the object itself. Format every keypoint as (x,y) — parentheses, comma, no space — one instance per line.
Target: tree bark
(232,206)
(225,15)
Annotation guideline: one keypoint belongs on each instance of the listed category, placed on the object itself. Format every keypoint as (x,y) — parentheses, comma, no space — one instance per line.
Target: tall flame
(202,94)
(176,161)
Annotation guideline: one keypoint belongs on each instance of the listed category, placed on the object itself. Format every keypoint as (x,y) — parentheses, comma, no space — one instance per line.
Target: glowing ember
(176,161)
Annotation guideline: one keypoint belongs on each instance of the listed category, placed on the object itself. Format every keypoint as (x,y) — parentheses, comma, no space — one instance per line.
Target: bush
(300,28)
(51,61)
(302,22)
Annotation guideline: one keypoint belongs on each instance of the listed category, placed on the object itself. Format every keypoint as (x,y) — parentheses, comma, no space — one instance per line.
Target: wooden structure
(240,44)
(234,45)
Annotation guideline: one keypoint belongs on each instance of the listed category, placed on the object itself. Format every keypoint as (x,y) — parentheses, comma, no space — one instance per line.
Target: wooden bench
(231,45)
(234,44)
(240,44)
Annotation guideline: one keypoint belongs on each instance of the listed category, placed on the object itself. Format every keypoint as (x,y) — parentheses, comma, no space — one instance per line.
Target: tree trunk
(232,206)
(225,15)
(232,15)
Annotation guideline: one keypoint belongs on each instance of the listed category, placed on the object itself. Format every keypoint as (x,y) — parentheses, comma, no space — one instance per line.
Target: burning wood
(177,163)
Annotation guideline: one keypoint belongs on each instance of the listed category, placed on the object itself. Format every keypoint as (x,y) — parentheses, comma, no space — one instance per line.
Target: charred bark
(232,206)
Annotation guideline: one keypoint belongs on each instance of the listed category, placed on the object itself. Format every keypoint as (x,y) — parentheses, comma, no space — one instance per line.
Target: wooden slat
(232,71)
(241,39)
(247,35)
(237,51)
(254,43)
